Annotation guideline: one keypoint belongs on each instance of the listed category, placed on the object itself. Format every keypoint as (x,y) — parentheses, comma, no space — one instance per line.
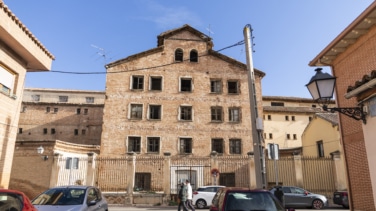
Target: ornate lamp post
(321,86)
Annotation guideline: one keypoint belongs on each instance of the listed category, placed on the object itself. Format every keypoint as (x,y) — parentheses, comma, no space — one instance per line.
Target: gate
(196,170)
(72,170)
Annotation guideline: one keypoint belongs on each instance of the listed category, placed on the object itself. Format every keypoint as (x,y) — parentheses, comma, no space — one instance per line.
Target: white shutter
(6,78)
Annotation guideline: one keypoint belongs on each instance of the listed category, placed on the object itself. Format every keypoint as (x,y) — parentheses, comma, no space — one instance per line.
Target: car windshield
(61,196)
(9,201)
(251,201)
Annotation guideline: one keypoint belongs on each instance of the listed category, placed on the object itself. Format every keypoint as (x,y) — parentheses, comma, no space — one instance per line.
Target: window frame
(216,86)
(7,85)
(89,99)
(230,89)
(217,143)
(134,142)
(182,113)
(151,147)
(137,85)
(179,55)
(187,146)
(233,117)
(181,83)
(216,114)
(152,82)
(135,115)
(193,56)
(320,149)
(235,145)
(151,112)
(63,98)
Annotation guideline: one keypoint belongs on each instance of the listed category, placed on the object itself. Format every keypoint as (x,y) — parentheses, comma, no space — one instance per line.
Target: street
(163,208)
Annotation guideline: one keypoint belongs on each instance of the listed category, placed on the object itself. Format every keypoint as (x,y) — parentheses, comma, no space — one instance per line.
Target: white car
(203,196)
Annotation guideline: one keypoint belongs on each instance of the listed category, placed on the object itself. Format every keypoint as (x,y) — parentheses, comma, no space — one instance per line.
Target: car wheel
(317,204)
(200,204)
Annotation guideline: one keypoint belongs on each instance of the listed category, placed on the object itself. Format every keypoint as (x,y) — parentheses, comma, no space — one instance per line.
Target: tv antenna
(101,52)
(210,31)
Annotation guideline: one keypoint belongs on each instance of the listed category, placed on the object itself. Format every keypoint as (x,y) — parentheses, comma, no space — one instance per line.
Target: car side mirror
(91,203)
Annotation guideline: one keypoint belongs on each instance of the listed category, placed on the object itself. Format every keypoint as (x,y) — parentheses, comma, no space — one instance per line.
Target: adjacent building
(20,52)
(351,57)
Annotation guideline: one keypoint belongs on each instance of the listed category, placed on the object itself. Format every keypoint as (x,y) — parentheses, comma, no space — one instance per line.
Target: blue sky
(85,35)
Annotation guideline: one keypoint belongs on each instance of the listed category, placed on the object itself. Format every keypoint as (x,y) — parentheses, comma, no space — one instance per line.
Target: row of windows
(288,136)
(179,55)
(185,145)
(62,99)
(287,118)
(53,131)
(185,113)
(84,111)
(185,84)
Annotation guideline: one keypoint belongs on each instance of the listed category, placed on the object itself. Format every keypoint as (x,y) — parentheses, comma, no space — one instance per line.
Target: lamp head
(40,150)
(321,86)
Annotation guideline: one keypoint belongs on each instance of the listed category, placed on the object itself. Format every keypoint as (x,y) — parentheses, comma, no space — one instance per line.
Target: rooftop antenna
(210,31)
(101,52)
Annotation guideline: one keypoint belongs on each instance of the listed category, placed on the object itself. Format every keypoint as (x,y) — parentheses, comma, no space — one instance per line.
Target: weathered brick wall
(357,61)
(117,126)
(35,119)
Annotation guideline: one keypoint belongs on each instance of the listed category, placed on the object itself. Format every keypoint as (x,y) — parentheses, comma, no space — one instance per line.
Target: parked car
(341,198)
(245,199)
(203,196)
(78,198)
(299,198)
(14,200)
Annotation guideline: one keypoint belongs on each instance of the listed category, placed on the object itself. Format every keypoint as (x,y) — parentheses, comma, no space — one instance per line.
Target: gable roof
(347,37)
(185,27)
(330,117)
(169,33)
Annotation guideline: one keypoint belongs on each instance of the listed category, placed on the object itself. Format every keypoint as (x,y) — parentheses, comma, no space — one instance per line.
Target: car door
(288,196)
(302,196)
(94,195)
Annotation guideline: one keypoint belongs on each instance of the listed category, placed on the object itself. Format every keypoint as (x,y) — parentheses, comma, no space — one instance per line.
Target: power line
(144,68)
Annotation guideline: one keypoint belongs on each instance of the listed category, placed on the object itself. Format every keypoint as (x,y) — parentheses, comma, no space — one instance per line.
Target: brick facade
(119,127)
(46,116)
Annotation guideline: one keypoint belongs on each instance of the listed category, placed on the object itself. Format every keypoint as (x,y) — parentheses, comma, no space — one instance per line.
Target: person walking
(279,194)
(182,196)
(189,196)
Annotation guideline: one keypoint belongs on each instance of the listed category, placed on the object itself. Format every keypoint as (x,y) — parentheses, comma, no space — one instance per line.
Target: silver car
(73,198)
(299,198)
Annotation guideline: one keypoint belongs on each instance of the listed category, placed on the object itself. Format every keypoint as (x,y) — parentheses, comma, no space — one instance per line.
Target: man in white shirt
(189,196)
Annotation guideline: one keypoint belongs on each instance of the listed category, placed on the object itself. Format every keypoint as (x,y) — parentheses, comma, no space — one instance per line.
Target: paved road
(160,208)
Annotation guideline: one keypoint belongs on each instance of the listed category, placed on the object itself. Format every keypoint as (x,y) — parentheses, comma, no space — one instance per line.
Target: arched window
(178,55)
(193,56)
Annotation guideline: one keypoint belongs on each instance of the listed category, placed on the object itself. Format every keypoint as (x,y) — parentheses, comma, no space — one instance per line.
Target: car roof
(11,191)
(208,186)
(242,189)
(73,186)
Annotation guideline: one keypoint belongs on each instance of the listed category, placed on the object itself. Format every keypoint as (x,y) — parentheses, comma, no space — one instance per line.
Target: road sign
(273,151)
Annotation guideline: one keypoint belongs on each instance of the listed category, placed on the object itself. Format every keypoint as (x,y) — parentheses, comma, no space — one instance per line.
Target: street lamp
(321,86)
(40,150)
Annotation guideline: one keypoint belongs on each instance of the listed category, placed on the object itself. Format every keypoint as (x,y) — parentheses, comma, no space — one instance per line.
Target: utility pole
(257,128)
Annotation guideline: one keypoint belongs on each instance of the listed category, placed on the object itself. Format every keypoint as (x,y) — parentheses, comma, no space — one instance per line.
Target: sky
(85,35)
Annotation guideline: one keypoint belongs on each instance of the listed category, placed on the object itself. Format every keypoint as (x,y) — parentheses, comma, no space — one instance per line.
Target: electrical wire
(144,68)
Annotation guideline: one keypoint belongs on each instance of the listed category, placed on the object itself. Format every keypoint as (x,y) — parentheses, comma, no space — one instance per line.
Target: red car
(13,200)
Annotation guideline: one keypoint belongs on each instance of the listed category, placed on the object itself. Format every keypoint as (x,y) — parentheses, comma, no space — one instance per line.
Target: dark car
(299,198)
(15,200)
(341,198)
(245,199)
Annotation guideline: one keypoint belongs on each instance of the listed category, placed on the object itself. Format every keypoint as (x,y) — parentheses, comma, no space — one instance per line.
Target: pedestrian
(189,196)
(182,196)
(278,193)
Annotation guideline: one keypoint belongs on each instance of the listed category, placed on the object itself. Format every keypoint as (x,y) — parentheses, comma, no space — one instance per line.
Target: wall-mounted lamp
(40,150)
(321,86)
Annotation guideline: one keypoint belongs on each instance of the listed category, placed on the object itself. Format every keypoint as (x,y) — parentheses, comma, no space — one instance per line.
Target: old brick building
(20,52)
(351,56)
(74,116)
(181,97)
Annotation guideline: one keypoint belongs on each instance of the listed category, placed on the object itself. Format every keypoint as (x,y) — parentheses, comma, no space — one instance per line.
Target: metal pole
(256,123)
